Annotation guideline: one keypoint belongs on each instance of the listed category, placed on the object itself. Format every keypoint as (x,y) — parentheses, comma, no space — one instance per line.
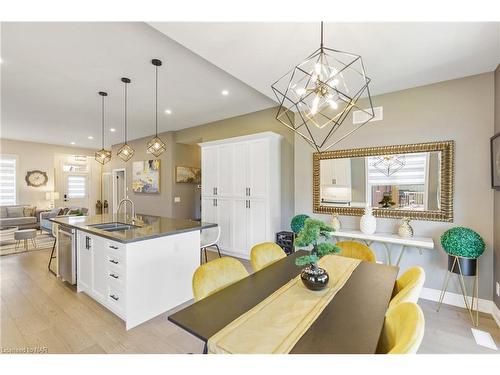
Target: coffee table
(7,234)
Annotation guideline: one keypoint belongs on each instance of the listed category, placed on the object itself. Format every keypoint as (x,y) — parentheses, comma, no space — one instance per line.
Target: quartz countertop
(149,227)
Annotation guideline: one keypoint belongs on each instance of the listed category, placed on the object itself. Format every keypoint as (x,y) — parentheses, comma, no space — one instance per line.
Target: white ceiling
(396,55)
(51,73)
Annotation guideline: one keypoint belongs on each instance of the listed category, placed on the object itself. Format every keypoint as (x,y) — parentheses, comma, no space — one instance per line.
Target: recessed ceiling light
(112,130)
(168,111)
(72,143)
(90,137)
(225,92)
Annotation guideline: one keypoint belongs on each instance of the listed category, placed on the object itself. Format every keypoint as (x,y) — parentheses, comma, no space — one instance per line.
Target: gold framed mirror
(413,181)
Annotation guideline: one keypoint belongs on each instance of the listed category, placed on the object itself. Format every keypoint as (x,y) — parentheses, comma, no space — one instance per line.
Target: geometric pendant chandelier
(103,155)
(317,95)
(156,146)
(389,164)
(125,152)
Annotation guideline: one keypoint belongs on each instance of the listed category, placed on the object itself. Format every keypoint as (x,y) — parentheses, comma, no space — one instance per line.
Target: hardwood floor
(40,312)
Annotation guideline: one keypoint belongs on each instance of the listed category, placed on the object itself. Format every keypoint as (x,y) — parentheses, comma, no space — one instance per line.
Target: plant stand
(463,267)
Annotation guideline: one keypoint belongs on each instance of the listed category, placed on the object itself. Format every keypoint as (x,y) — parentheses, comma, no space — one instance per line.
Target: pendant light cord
(321,45)
(102,121)
(156,99)
(125,112)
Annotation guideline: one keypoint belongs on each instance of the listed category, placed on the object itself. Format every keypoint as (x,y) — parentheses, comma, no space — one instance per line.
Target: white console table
(388,239)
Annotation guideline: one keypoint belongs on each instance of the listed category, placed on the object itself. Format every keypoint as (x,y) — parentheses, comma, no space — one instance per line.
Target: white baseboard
(496,314)
(455,299)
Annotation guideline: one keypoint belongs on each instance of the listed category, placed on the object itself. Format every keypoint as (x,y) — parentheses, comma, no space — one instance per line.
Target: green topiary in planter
(462,242)
(298,223)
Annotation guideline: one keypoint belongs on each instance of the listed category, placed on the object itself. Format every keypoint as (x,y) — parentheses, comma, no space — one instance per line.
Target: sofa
(46,224)
(21,216)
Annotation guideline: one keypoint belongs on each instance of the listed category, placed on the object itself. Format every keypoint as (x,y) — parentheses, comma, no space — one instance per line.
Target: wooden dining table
(350,324)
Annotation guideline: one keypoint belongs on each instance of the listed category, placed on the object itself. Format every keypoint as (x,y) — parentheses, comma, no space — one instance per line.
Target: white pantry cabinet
(241,190)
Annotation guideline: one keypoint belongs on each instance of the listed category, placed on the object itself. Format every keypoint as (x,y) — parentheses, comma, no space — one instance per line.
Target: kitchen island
(138,268)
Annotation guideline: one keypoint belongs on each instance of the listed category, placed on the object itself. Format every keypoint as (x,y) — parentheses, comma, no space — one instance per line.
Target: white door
(209,170)
(240,169)
(76,190)
(224,208)
(240,222)
(257,223)
(84,263)
(225,159)
(258,171)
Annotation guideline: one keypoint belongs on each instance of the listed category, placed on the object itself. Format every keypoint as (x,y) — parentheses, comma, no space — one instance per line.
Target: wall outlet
(498,289)
(177,199)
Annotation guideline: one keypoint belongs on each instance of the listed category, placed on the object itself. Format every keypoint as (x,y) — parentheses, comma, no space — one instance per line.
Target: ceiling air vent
(358,117)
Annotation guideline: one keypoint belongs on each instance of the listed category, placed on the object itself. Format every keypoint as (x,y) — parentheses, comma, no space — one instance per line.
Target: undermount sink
(114,226)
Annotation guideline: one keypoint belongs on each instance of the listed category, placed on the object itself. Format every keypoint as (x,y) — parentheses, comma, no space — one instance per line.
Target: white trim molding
(455,299)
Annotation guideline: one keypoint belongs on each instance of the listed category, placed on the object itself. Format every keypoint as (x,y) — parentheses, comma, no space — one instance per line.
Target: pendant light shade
(389,164)
(125,152)
(103,156)
(317,96)
(156,146)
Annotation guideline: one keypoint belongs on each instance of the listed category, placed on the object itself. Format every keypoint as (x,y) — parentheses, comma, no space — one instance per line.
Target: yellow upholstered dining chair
(403,329)
(216,275)
(264,254)
(357,250)
(408,286)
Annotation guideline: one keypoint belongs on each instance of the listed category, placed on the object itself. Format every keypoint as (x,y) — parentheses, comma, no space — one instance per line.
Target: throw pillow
(15,211)
(29,211)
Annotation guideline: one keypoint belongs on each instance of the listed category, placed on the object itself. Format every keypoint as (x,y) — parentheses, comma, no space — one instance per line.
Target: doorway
(119,187)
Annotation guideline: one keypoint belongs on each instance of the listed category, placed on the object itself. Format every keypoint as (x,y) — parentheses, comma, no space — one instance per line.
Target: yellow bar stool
(216,275)
(356,250)
(264,254)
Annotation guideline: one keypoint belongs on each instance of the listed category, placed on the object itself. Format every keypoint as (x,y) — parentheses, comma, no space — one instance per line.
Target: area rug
(43,241)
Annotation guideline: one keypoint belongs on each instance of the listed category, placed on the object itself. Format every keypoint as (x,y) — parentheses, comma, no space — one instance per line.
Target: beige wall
(251,123)
(459,110)
(496,240)
(43,157)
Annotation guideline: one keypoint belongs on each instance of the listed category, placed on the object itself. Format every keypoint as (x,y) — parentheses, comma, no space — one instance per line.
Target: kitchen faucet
(125,200)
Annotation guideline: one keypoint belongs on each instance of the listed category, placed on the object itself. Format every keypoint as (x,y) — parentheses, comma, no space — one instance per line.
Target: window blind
(7,181)
(77,187)
(413,173)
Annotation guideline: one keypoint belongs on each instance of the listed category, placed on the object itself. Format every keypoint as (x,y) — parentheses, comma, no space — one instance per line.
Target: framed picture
(188,175)
(495,161)
(146,176)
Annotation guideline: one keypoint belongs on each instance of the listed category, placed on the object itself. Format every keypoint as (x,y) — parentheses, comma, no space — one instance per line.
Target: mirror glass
(409,182)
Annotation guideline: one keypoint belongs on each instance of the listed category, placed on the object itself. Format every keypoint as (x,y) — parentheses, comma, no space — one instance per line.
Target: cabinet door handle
(248,204)
(113,261)
(114,297)
(249,192)
(87,242)
(113,247)
(215,191)
(215,202)
(114,276)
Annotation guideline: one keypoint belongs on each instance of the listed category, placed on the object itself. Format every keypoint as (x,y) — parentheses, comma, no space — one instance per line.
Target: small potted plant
(314,277)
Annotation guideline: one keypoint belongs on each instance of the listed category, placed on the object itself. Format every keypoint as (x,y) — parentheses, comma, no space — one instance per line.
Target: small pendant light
(156,146)
(103,155)
(125,152)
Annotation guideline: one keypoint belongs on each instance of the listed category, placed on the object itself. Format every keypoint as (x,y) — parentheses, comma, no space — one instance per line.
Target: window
(8,165)
(77,187)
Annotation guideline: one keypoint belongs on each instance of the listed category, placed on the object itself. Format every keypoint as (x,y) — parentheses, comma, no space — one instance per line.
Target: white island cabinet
(137,280)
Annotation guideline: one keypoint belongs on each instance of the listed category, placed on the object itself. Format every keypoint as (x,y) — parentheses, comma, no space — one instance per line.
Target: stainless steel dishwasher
(66,257)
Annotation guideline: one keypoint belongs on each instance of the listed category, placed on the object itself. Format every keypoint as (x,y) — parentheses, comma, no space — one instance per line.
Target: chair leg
(217,247)
(52,257)
(206,257)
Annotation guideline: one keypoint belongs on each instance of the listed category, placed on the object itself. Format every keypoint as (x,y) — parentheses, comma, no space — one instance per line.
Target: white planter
(335,224)
(368,223)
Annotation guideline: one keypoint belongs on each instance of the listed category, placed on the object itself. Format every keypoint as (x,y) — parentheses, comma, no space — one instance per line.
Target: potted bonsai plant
(314,233)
